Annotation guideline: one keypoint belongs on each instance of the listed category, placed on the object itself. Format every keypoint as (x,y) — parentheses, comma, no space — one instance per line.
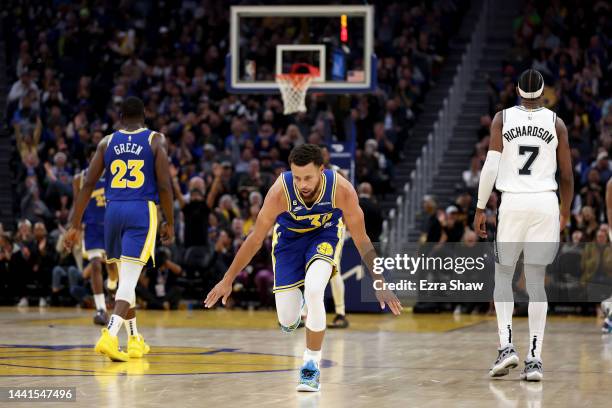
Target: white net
(293,89)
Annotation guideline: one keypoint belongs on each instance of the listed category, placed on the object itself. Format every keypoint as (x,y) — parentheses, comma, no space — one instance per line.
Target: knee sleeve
(315,282)
(129,272)
(503,283)
(288,307)
(534,282)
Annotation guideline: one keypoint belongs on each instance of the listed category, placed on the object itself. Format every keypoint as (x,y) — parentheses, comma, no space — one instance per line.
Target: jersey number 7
(533,152)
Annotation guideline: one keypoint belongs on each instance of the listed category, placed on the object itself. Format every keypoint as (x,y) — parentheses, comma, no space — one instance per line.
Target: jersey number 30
(533,152)
(119,168)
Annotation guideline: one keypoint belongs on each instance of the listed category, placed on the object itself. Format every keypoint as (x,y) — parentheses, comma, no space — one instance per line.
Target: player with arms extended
(135,162)
(93,243)
(308,208)
(528,143)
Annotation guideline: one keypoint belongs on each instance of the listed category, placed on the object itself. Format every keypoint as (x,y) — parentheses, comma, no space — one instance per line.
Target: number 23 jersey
(130,167)
(529,157)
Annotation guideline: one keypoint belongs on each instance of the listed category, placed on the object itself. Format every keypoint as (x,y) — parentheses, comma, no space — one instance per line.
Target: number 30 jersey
(529,157)
(130,167)
(94,212)
(321,215)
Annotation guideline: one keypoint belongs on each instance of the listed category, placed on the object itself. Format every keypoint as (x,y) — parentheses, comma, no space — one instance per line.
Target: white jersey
(529,158)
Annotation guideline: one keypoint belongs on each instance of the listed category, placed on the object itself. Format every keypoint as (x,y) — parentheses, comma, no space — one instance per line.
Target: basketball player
(308,208)
(135,162)
(93,244)
(336,282)
(606,305)
(528,143)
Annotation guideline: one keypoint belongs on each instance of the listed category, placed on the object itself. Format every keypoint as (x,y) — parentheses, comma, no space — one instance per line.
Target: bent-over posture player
(308,208)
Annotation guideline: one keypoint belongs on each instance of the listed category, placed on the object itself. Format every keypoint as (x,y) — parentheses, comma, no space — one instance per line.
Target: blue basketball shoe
(606,328)
(309,377)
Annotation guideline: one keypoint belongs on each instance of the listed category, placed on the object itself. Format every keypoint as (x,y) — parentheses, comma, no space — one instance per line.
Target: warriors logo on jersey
(305,233)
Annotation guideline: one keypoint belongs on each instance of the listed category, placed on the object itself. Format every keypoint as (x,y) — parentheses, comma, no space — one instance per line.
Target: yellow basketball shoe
(137,346)
(109,346)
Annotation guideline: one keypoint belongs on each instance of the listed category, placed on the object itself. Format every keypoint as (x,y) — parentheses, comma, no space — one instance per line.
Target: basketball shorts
(292,254)
(93,241)
(130,230)
(529,223)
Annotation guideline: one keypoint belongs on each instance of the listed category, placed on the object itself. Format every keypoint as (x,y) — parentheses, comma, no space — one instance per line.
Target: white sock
(534,281)
(337,289)
(314,355)
(114,324)
(100,301)
(504,302)
(130,327)
(606,305)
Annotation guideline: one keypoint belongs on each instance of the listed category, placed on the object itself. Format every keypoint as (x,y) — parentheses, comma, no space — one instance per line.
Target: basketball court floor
(240,358)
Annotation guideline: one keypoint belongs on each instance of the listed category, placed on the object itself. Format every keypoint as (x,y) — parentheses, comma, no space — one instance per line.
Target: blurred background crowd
(71,66)
(569,43)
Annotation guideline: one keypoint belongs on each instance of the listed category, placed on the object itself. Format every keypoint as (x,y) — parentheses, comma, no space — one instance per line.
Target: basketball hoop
(294,85)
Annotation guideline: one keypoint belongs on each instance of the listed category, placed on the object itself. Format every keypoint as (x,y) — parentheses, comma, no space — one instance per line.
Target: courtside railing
(402,219)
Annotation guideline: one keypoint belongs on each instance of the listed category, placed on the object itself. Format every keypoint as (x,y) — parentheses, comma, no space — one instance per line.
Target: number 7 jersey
(529,157)
(130,167)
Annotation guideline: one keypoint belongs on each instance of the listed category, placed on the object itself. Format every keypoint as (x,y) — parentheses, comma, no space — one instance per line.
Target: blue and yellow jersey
(94,212)
(130,167)
(322,214)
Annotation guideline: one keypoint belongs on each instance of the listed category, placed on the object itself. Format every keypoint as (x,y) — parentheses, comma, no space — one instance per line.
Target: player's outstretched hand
(480,223)
(222,290)
(166,233)
(71,238)
(389,298)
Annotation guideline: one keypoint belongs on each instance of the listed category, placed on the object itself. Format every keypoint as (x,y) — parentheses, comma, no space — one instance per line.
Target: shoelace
(533,365)
(502,354)
(308,374)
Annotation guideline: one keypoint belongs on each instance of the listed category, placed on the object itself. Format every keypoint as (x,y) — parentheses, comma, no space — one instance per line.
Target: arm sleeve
(488,175)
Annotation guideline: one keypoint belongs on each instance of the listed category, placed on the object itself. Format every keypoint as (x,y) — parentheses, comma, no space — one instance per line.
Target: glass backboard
(268,40)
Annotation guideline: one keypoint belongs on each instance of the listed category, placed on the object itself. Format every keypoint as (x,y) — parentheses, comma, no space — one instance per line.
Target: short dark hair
(306,154)
(132,108)
(530,81)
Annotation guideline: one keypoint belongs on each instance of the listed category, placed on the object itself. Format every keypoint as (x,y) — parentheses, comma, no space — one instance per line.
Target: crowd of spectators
(569,43)
(72,64)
